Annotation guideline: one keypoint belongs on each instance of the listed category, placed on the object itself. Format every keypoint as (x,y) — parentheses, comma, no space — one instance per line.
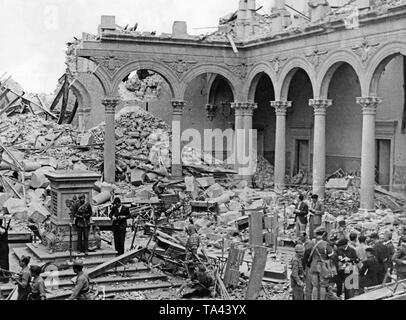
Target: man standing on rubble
(192,245)
(399,259)
(4,249)
(301,212)
(381,254)
(119,214)
(297,276)
(320,265)
(82,222)
(316,214)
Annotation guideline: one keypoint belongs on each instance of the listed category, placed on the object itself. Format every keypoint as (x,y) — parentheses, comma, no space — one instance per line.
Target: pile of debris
(264,175)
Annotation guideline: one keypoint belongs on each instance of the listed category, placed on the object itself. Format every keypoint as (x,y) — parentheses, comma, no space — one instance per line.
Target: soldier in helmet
(320,264)
(297,276)
(82,285)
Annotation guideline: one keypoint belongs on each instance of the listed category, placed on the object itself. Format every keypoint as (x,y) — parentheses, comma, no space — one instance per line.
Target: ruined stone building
(324,92)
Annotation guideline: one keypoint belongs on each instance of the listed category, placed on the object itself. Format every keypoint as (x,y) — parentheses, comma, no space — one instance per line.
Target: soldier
(82,285)
(23,280)
(82,221)
(38,285)
(320,265)
(297,276)
(301,212)
(399,259)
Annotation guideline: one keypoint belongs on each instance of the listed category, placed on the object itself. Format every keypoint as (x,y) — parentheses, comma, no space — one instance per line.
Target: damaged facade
(321,96)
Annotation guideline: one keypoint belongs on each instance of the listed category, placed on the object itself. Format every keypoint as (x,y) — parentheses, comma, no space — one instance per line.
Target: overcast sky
(34,33)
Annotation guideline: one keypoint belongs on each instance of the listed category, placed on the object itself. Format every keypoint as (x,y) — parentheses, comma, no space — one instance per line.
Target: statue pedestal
(67,186)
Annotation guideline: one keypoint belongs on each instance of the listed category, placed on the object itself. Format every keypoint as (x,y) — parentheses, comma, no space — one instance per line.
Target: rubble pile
(264,175)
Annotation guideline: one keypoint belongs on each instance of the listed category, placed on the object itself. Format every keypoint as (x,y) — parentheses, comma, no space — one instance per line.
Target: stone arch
(378,63)
(289,71)
(104,79)
(213,85)
(154,66)
(330,66)
(82,94)
(254,77)
(209,68)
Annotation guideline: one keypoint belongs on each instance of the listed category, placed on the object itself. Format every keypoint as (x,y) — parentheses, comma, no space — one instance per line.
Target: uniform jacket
(124,212)
(297,274)
(82,287)
(82,215)
(38,289)
(398,257)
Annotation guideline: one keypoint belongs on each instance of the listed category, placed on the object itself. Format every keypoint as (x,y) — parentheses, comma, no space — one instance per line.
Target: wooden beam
(57,98)
(383,291)
(257,273)
(65,100)
(126,257)
(9,105)
(4,93)
(75,109)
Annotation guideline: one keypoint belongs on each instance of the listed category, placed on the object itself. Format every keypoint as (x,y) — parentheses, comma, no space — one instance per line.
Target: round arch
(378,63)
(82,94)
(215,69)
(289,71)
(161,69)
(254,77)
(330,66)
(214,84)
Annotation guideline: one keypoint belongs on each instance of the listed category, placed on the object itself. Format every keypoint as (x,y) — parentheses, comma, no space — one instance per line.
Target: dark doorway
(382,176)
(302,156)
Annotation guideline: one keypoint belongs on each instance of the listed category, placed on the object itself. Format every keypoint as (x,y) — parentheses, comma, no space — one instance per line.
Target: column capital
(110,104)
(320,105)
(369,104)
(244,108)
(281,107)
(177,106)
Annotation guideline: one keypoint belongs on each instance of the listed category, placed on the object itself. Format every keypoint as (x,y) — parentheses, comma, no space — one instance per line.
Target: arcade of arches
(334,109)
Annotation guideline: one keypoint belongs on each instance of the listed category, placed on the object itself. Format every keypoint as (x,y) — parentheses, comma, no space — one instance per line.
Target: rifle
(11,273)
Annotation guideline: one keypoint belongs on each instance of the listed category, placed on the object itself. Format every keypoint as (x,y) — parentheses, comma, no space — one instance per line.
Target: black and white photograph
(205,155)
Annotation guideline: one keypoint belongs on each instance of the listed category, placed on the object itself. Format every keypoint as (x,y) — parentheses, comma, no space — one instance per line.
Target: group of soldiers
(326,265)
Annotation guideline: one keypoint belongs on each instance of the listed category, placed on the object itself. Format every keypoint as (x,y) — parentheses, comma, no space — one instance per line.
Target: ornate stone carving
(111,64)
(180,66)
(281,107)
(240,69)
(211,111)
(365,50)
(110,104)
(320,105)
(369,104)
(316,58)
(277,63)
(177,106)
(244,108)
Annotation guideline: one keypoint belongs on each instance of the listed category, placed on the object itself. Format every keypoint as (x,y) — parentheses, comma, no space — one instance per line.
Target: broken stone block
(181,225)
(213,237)
(151,177)
(79,166)
(102,198)
(38,180)
(225,198)
(228,217)
(234,206)
(202,223)
(137,177)
(30,166)
(87,139)
(3,198)
(215,191)
(41,193)
(206,181)
(38,213)
(17,208)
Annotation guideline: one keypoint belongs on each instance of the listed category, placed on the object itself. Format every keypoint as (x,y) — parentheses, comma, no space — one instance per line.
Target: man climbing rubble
(200,284)
(319,262)
(192,245)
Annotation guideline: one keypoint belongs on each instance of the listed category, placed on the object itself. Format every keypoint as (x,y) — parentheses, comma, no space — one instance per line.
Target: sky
(34,33)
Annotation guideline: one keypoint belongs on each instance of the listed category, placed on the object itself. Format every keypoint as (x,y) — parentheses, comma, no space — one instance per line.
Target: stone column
(244,112)
(110,140)
(369,106)
(319,148)
(281,108)
(177,114)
